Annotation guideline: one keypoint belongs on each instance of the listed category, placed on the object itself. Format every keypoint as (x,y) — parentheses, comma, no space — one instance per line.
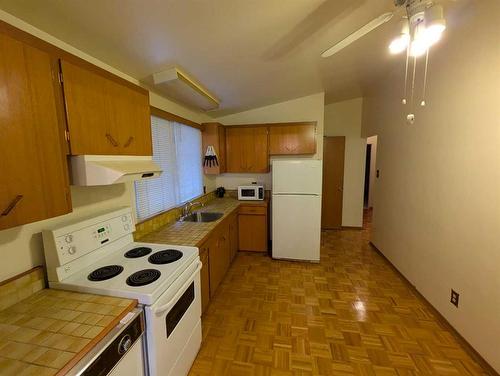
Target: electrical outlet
(455,296)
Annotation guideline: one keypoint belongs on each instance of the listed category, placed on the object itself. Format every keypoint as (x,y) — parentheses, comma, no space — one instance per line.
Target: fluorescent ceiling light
(358,34)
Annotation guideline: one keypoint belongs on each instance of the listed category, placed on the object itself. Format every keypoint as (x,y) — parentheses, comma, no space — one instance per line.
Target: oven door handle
(167,306)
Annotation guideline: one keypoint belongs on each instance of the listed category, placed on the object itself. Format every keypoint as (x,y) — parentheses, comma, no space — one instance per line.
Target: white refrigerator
(296,209)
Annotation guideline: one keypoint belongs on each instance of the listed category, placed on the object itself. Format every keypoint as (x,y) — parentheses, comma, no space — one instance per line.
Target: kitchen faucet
(186,208)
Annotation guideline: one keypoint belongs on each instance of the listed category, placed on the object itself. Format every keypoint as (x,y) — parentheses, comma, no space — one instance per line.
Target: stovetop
(141,271)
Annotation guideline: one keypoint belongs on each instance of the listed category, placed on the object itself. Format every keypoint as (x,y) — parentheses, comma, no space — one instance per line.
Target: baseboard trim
(352,227)
(471,350)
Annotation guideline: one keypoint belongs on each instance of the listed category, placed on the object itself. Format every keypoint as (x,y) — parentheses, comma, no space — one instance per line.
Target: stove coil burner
(165,257)
(143,277)
(104,273)
(138,252)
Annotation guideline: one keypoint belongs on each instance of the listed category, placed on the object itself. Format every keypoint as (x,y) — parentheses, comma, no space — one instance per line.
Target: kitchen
(143,234)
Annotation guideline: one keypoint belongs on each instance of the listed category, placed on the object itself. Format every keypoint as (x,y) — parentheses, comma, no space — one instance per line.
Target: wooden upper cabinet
(33,172)
(247,149)
(214,134)
(286,139)
(104,116)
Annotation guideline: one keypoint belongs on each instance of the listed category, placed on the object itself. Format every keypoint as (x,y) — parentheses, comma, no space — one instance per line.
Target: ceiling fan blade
(372,25)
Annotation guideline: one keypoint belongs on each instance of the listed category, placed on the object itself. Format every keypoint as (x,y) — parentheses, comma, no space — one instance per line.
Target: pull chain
(406,74)
(410,118)
(425,78)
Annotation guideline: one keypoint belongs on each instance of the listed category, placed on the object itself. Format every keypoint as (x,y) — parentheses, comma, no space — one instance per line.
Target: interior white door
(296,227)
(297,176)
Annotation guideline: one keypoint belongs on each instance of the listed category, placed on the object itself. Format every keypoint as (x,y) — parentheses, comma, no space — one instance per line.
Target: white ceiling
(248,53)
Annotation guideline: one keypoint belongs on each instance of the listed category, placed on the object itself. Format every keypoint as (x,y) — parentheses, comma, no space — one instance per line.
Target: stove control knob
(126,227)
(72,250)
(124,218)
(124,344)
(68,238)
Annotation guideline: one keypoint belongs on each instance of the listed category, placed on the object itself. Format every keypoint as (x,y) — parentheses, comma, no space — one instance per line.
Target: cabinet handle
(12,205)
(111,140)
(129,141)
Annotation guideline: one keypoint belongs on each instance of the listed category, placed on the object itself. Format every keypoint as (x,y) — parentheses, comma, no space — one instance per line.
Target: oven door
(173,325)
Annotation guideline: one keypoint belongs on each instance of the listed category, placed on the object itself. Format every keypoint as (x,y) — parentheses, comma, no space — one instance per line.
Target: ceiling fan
(422,24)
(421,27)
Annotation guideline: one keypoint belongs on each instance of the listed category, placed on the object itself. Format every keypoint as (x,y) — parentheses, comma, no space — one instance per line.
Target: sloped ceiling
(248,53)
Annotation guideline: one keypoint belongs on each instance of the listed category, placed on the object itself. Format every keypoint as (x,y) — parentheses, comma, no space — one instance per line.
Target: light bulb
(420,44)
(418,47)
(433,33)
(435,24)
(399,44)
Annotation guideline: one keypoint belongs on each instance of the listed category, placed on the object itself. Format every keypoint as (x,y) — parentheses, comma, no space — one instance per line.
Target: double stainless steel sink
(202,217)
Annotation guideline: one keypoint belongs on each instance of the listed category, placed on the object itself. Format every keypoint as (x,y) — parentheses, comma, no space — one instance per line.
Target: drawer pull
(12,205)
(129,141)
(111,140)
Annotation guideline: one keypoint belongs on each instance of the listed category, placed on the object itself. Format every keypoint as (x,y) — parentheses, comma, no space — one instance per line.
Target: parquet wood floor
(351,314)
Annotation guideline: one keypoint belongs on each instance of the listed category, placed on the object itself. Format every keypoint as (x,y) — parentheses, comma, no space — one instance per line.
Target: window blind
(177,149)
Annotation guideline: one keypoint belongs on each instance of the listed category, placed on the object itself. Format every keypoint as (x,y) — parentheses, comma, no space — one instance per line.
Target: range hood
(106,169)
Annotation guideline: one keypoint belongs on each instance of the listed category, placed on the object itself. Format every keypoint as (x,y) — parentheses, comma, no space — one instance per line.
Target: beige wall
(309,108)
(437,202)
(344,119)
(21,247)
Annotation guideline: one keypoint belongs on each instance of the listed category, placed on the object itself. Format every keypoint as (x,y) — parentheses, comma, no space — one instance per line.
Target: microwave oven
(251,192)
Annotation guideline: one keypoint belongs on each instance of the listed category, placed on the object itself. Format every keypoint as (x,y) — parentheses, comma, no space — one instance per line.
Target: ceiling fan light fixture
(435,24)
(401,42)
(420,43)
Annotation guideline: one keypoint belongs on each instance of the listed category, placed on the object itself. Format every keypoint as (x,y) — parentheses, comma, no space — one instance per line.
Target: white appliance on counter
(253,192)
(296,209)
(98,255)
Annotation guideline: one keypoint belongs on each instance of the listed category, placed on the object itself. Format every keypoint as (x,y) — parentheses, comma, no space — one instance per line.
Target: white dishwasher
(119,353)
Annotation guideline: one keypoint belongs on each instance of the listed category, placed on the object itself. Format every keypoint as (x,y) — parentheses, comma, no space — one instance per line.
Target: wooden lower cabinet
(233,237)
(219,256)
(216,254)
(252,228)
(205,279)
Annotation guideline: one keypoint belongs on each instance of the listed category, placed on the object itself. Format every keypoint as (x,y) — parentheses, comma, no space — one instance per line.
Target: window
(177,149)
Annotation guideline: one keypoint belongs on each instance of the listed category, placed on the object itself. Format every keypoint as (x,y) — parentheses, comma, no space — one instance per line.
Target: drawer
(253,209)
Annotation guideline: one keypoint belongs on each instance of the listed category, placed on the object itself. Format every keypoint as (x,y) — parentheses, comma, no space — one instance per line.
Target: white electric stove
(98,255)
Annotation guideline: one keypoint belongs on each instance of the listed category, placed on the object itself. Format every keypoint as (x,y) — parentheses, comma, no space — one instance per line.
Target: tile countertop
(48,332)
(192,233)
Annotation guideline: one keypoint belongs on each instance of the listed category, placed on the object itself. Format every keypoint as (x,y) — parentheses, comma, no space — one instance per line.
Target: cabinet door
(233,237)
(292,139)
(34,182)
(205,278)
(105,117)
(247,149)
(214,134)
(252,232)
(222,149)
(219,257)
